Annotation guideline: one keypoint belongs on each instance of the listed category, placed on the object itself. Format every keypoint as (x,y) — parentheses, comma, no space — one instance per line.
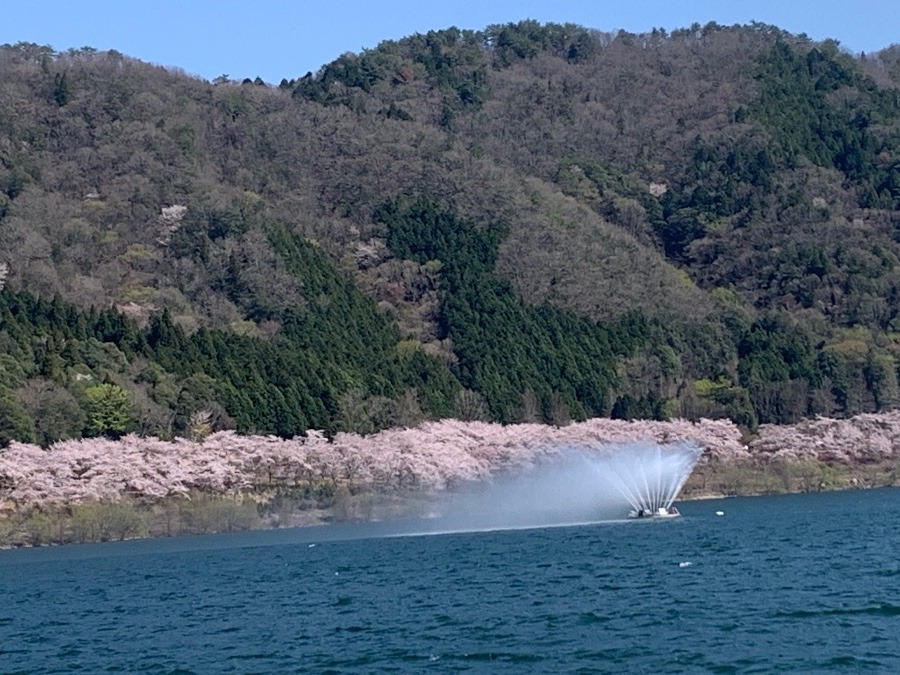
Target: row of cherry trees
(863,439)
(432,457)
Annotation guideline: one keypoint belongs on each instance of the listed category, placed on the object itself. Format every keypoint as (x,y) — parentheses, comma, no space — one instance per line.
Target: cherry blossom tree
(432,457)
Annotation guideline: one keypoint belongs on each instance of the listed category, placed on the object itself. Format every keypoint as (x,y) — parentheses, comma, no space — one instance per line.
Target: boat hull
(658,514)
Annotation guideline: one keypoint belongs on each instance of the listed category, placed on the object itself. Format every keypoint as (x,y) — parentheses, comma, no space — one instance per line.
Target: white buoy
(720,513)
(686,563)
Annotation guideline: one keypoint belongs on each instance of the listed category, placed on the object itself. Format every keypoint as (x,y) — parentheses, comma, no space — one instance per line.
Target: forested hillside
(525,223)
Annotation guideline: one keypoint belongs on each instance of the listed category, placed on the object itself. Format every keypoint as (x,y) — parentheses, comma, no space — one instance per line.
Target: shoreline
(219,513)
(96,489)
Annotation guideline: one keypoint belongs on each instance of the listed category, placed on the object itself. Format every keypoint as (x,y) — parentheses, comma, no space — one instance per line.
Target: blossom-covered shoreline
(428,459)
(432,457)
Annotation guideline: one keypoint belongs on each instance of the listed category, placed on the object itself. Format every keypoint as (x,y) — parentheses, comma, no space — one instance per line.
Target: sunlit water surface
(799,583)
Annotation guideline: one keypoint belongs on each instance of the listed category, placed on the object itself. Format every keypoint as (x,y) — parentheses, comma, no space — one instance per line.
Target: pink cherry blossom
(432,457)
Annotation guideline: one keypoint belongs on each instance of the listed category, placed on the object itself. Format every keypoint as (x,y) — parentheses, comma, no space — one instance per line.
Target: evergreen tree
(110,411)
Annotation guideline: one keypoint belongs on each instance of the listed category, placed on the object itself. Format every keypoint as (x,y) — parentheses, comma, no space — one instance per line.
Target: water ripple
(769,588)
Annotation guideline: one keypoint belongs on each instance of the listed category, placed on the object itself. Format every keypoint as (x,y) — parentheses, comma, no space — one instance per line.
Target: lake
(797,582)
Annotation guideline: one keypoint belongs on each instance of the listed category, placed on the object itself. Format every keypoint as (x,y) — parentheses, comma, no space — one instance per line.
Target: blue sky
(275,39)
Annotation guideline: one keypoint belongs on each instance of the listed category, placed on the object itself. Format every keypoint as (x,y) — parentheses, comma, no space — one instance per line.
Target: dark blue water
(796,583)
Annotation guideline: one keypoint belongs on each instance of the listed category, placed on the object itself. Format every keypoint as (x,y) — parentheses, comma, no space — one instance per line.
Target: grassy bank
(198,513)
(762,477)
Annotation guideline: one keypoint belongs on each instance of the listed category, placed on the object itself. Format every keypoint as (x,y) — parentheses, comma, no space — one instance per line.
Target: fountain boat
(660,513)
(650,476)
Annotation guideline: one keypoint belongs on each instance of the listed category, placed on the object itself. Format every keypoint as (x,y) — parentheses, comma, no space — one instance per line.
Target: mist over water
(580,484)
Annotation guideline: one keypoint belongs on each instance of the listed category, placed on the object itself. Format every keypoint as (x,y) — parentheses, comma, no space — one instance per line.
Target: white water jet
(650,476)
(580,484)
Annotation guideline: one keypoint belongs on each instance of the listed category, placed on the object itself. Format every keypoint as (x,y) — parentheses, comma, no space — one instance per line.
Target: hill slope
(539,222)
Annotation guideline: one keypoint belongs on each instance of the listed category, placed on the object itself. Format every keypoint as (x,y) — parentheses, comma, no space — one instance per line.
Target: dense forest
(526,223)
